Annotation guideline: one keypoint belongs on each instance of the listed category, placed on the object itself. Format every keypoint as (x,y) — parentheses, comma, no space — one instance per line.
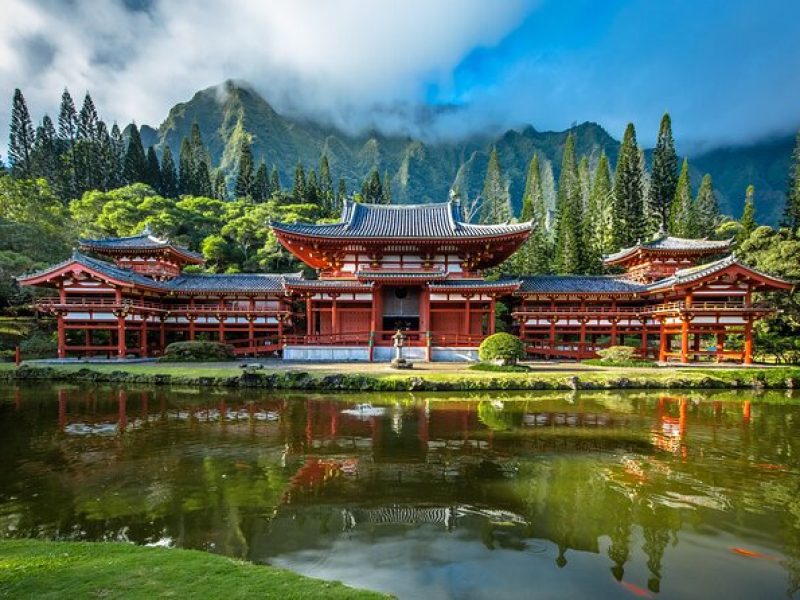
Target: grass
(484,366)
(599,362)
(429,376)
(44,570)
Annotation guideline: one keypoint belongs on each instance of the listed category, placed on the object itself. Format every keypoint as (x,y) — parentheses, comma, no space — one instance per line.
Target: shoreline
(354,377)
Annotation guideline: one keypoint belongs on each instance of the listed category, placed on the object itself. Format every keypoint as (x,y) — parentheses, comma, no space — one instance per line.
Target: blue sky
(727,71)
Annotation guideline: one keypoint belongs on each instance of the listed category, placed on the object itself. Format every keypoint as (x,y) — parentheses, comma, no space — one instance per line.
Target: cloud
(330,60)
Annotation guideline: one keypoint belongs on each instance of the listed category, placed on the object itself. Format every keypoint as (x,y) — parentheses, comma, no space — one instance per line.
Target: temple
(418,268)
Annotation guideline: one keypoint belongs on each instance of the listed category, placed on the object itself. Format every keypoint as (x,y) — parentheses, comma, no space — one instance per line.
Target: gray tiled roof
(421,274)
(409,221)
(693,273)
(667,243)
(233,282)
(142,241)
(332,284)
(566,284)
(455,284)
(106,268)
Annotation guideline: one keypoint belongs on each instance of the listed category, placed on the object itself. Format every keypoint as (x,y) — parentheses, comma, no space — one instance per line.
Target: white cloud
(329,59)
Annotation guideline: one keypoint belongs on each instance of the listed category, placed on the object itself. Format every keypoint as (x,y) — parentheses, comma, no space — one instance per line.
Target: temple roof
(403,221)
(667,244)
(567,284)
(231,282)
(144,241)
(368,274)
(477,284)
(691,274)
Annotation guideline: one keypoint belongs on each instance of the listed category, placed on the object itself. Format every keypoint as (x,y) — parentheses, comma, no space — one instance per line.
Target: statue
(398,362)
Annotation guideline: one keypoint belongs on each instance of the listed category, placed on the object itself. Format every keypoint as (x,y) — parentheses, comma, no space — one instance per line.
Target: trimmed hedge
(501,347)
(198,351)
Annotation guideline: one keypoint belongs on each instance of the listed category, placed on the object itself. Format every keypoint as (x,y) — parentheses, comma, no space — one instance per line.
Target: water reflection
(597,495)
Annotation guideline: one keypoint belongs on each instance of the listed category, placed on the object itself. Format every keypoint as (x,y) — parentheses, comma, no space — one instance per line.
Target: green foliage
(600,216)
(197,351)
(372,188)
(617,354)
(630,224)
(570,252)
(21,137)
(495,368)
(245,178)
(135,162)
(535,255)
(496,201)
(665,174)
(682,218)
(501,347)
(748,221)
(791,212)
(38,344)
(706,209)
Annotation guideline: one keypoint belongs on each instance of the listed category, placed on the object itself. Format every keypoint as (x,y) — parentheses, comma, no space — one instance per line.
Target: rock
(574,383)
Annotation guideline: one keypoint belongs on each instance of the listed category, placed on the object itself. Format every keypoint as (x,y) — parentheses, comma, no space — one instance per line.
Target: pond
(602,495)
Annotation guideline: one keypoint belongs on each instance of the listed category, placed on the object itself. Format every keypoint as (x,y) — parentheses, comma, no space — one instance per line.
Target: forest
(77,177)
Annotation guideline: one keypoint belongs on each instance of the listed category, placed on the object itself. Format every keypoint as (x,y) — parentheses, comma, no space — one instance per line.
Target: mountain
(423,171)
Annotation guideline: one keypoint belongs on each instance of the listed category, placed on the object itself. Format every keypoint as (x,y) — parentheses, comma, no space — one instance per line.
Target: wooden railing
(112,304)
(456,339)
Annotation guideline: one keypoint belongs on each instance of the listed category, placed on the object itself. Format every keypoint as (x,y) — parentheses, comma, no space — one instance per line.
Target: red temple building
(418,268)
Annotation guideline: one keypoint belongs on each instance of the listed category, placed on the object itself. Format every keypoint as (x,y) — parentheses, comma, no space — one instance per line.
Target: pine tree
(106,160)
(199,150)
(299,187)
(169,178)
(341,193)
(244,177)
(535,256)
(261,191)
(748,221)
(312,188)
(275,181)
(601,209)
(706,208)
(496,205)
(585,177)
(569,254)
(153,172)
(664,179)
(629,218)
(202,179)
(135,161)
(67,133)
(45,156)
(326,192)
(682,214)
(87,120)
(220,186)
(186,169)
(117,157)
(791,212)
(549,192)
(21,138)
(386,195)
(372,188)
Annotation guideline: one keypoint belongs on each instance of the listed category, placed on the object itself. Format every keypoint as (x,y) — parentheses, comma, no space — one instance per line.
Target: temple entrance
(400,309)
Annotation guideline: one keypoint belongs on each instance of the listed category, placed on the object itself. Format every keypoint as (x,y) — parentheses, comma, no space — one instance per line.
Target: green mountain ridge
(423,171)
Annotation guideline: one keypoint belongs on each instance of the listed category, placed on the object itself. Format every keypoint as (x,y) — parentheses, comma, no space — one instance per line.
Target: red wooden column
(143,336)
(465,328)
(191,327)
(62,336)
(613,331)
(582,338)
(309,316)
(221,319)
(644,339)
(122,350)
(747,356)
(334,314)
(492,307)
(162,335)
(685,340)
(662,345)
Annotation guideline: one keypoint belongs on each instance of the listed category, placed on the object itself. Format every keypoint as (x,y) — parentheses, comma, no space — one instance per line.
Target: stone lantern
(398,362)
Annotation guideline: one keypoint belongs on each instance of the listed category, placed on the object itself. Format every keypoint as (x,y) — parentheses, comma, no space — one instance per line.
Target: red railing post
(17,356)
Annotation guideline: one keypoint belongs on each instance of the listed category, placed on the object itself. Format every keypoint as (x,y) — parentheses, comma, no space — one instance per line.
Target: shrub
(501,347)
(617,354)
(197,351)
(38,344)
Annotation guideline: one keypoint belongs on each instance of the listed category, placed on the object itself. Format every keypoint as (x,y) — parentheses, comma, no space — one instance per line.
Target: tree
(275,180)
(21,138)
(372,188)
(244,177)
(312,188)
(791,213)
(45,155)
(535,256)
(87,120)
(747,224)
(202,179)
(67,133)
(186,171)
(585,178)
(682,215)
(549,191)
(299,187)
(706,208)
(220,186)
(664,179)
(629,218)
(386,192)
(117,151)
(169,178)
(261,191)
(496,206)
(569,256)
(341,193)
(600,217)
(326,192)
(153,172)
(135,161)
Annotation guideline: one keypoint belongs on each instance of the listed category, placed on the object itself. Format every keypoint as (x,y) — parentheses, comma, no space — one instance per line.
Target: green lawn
(380,377)
(42,570)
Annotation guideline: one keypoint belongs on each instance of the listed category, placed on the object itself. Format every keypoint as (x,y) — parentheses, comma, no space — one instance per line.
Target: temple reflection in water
(629,479)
